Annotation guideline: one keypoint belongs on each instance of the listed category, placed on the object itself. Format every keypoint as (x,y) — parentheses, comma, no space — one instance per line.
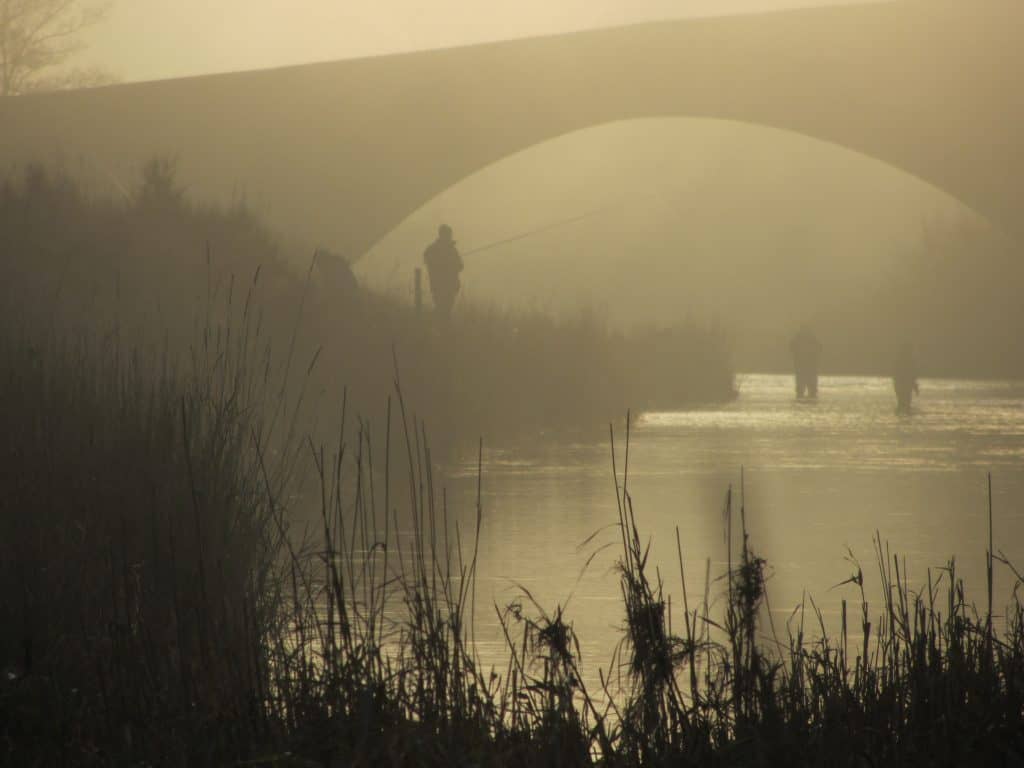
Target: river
(818,479)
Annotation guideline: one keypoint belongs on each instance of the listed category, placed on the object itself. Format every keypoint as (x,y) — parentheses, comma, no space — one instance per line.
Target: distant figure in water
(443,267)
(806,350)
(904,379)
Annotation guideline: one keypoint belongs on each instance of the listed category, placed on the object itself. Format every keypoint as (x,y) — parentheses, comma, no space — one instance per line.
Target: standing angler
(904,378)
(443,267)
(806,349)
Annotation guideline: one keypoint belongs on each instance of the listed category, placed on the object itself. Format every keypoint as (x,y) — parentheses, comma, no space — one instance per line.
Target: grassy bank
(159,609)
(138,554)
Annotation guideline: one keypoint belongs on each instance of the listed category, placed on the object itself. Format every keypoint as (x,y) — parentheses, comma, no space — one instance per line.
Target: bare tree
(37,37)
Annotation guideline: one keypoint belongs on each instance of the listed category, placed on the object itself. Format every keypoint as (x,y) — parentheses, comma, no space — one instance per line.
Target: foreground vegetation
(159,610)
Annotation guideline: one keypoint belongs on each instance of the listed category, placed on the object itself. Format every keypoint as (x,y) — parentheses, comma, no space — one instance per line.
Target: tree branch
(37,35)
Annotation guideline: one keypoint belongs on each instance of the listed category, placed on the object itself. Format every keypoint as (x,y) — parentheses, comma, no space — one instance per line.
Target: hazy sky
(147,39)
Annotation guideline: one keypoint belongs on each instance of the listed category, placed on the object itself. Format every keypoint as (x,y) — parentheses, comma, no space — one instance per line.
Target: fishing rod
(562,223)
(514,238)
(537,231)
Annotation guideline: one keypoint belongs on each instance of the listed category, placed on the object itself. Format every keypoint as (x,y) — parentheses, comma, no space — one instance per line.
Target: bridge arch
(641,198)
(699,139)
(344,151)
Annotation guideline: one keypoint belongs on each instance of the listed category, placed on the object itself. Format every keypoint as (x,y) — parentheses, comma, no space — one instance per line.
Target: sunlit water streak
(818,478)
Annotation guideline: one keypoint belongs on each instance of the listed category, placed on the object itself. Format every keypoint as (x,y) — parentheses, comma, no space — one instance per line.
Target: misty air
(553,384)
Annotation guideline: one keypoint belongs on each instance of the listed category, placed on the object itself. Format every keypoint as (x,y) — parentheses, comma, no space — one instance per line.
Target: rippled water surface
(819,479)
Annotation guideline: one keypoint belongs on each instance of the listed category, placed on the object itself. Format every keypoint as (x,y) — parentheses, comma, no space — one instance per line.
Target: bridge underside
(343,152)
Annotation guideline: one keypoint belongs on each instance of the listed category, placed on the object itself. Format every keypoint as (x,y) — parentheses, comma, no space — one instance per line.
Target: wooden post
(418,290)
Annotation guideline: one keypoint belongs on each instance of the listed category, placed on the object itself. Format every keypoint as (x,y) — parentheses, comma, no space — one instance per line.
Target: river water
(819,479)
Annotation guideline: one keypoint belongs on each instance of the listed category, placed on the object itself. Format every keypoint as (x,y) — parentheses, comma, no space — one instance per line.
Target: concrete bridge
(345,151)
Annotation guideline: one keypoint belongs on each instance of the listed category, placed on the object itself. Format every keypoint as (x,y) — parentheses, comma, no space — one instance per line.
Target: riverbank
(158,272)
(162,608)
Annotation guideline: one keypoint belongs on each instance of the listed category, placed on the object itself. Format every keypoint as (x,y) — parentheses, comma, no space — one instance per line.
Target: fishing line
(538,230)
